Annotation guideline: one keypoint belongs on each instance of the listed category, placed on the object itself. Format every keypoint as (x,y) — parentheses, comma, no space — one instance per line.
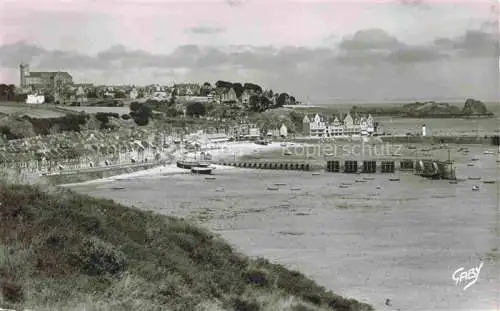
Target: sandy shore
(230,150)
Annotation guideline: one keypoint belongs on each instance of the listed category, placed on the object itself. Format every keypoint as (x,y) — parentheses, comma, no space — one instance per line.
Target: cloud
(236,3)
(205,30)
(373,46)
(372,59)
(370,39)
(421,4)
(474,43)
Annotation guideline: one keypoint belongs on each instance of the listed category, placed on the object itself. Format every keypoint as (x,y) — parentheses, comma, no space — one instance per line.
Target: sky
(320,51)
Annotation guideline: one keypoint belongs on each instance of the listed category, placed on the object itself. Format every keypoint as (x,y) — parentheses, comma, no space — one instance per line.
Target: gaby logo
(469,277)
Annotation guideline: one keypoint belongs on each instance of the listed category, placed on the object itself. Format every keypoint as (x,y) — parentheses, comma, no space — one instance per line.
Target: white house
(133,94)
(283,130)
(349,127)
(35,99)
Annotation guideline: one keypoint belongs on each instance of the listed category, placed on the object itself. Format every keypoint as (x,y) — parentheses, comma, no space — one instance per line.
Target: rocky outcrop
(473,107)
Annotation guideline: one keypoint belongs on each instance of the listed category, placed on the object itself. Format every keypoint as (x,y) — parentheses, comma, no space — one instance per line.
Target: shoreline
(228,150)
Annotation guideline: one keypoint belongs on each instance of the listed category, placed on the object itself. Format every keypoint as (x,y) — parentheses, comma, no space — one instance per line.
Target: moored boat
(489,181)
(201,170)
(187,164)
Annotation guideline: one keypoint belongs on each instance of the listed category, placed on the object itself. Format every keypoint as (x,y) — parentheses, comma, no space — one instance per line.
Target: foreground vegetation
(65,251)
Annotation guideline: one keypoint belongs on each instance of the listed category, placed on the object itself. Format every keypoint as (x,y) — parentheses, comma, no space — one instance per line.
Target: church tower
(24,71)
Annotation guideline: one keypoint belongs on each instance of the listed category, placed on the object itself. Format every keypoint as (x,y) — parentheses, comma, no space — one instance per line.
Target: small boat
(453,182)
(475,188)
(470,164)
(489,181)
(474,178)
(187,164)
(261,142)
(476,158)
(346,184)
(273,187)
(118,188)
(343,186)
(412,147)
(280,184)
(378,187)
(203,164)
(394,179)
(316,174)
(210,178)
(219,190)
(287,153)
(488,152)
(201,170)
(396,154)
(368,178)
(295,189)
(283,144)
(360,180)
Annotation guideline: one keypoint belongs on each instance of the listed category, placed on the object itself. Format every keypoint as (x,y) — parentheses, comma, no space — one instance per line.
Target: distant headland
(472,109)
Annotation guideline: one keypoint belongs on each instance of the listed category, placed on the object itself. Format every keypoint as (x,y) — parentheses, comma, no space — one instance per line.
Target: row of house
(318,126)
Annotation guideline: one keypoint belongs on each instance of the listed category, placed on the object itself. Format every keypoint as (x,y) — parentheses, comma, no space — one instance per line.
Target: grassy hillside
(64,251)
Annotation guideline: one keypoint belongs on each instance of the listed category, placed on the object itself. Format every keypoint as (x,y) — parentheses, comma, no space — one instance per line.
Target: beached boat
(187,164)
(474,178)
(316,174)
(368,178)
(394,179)
(209,178)
(261,142)
(295,188)
(488,152)
(273,187)
(489,181)
(201,170)
(343,186)
(287,153)
(470,164)
(360,180)
(453,182)
(378,187)
(475,188)
(283,144)
(476,158)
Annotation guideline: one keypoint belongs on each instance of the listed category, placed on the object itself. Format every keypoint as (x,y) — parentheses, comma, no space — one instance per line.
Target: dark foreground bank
(66,251)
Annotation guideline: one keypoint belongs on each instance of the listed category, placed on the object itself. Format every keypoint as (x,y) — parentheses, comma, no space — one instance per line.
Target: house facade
(319,127)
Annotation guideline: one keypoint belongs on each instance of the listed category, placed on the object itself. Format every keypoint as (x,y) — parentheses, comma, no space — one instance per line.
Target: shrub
(98,257)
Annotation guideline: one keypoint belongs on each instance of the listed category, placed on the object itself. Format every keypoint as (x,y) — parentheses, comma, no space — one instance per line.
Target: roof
(44,74)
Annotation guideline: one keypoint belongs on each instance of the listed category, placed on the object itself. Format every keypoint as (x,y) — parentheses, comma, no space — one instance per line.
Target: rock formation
(473,106)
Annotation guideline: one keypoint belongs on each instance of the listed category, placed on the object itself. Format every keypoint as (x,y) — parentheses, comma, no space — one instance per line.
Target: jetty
(422,166)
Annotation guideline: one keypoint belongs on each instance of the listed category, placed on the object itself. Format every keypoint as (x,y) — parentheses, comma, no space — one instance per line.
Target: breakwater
(274,165)
(459,140)
(83,175)
(427,168)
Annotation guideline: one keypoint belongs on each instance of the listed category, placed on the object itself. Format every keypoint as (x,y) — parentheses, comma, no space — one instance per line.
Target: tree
(195,109)
(253,87)
(258,103)
(238,89)
(223,84)
(141,113)
(281,100)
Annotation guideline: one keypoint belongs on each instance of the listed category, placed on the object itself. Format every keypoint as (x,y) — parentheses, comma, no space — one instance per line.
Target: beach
(370,241)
